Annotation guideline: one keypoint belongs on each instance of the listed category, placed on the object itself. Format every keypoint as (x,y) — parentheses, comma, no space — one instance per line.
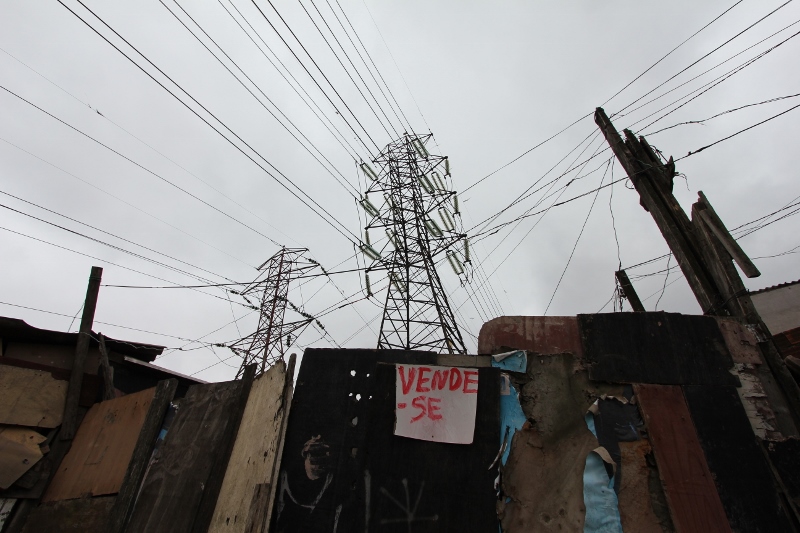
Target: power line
(123,201)
(332,221)
(320,71)
(263,94)
(165,180)
(352,65)
(341,139)
(693,152)
(408,124)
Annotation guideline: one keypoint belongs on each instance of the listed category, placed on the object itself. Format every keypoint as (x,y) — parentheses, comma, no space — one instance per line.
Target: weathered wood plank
(743,477)
(84,515)
(253,457)
(19,451)
(688,485)
(208,503)
(105,366)
(712,220)
(103,446)
(31,397)
(129,489)
(172,491)
(629,292)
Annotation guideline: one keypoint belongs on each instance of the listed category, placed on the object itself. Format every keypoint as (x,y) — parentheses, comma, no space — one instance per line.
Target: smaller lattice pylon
(267,344)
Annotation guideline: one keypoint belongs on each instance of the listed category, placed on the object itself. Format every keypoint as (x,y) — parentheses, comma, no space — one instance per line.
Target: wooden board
(19,451)
(662,348)
(688,485)
(741,471)
(253,456)
(429,486)
(326,431)
(741,342)
(30,397)
(173,488)
(6,506)
(99,456)
(84,515)
(90,387)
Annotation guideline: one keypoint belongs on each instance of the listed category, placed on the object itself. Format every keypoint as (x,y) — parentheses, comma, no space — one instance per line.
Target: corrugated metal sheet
(99,456)
(664,348)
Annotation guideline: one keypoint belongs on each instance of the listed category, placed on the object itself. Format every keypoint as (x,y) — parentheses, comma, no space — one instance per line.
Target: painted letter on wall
(436,403)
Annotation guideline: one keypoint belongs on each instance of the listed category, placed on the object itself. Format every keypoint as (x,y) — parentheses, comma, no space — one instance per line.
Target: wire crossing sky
(180,144)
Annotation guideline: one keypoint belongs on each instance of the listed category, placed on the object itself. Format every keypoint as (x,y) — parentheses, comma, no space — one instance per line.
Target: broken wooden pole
(628,291)
(108,376)
(70,423)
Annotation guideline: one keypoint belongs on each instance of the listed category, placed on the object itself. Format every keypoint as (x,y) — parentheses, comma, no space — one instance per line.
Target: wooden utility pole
(628,292)
(70,423)
(703,247)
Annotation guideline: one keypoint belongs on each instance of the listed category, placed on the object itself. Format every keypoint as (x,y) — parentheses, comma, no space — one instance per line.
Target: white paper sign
(436,403)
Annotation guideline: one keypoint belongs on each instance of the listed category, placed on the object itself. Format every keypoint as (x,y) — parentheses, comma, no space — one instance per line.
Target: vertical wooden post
(704,249)
(108,376)
(69,425)
(628,291)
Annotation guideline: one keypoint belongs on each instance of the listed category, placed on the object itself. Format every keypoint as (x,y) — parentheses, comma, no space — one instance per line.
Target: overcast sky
(491,80)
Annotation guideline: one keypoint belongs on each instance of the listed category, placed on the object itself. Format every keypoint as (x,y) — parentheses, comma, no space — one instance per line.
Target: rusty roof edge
(773,287)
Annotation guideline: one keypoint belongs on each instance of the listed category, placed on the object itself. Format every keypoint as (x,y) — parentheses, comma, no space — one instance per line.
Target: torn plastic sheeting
(516,361)
(602,506)
(511,416)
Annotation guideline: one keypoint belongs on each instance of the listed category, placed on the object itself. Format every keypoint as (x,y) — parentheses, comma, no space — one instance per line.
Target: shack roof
(17,330)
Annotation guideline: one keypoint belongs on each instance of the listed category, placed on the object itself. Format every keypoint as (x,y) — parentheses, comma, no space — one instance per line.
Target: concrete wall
(779,308)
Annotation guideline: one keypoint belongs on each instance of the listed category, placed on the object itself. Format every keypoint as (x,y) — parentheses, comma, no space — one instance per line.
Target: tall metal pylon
(273,337)
(415,209)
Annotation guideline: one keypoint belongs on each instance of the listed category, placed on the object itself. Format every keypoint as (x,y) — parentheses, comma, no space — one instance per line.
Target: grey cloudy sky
(492,80)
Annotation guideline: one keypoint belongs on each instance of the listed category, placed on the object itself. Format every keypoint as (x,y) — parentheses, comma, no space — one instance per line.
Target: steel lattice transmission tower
(273,337)
(414,217)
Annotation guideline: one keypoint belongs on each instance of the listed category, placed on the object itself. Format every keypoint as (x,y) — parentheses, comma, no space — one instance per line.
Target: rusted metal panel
(642,506)
(83,515)
(538,334)
(321,486)
(99,456)
(788,342)
(689,487)
(174,486)
(31,397)
(741,342)
(662,348)
(741,471)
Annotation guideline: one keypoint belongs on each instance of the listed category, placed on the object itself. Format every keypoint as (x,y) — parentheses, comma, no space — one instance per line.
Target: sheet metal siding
(740,470)
(690,491)
(326,433)
(451,482)
(661,348)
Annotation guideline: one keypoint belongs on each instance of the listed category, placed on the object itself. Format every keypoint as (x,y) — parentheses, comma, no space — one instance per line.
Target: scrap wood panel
(688,485)
(663,348)
(19,451)
(83,515)
(741,471)
(425,486)
(31,397)
(98,458)
(173,488)
(321,480)
(246,488)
